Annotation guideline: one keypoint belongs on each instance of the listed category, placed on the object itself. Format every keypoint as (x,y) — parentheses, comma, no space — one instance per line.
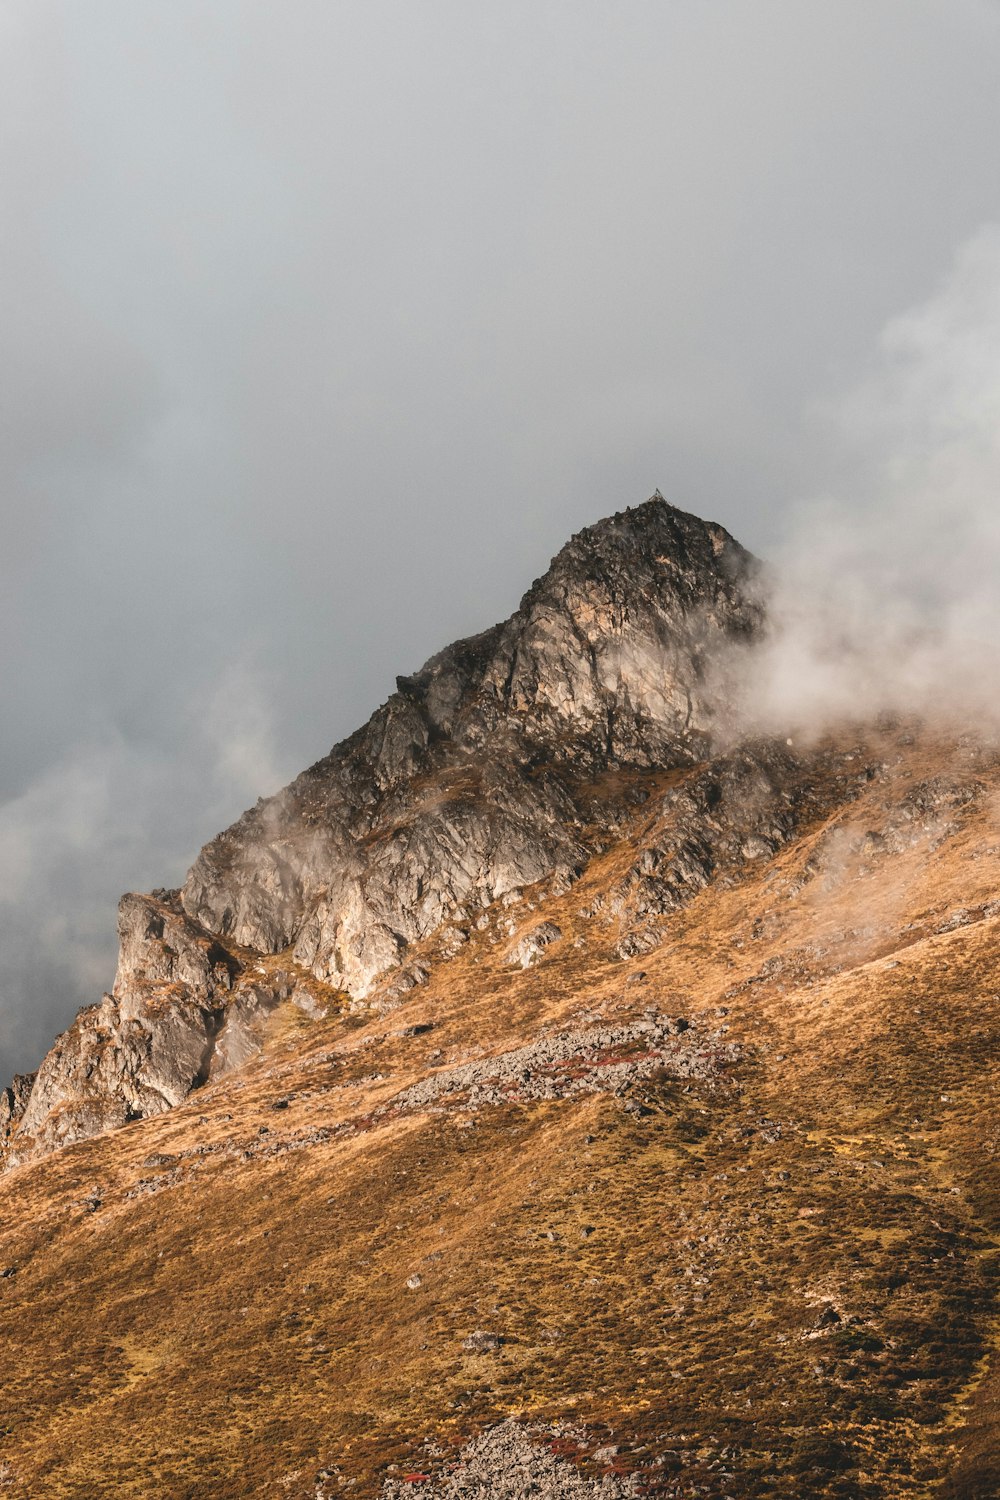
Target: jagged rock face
(455,791)
(170,1021)
(469,784)
(739,808)
(13,1102)
(347,888)
(607,653)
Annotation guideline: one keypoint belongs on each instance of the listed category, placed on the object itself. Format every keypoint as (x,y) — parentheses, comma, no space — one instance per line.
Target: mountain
(473,781)
(544,1083)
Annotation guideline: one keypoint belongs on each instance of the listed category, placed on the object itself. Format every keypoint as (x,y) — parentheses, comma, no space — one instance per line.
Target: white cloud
(887,591)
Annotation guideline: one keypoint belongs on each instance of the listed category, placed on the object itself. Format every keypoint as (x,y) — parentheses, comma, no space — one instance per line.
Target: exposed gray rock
(456,792)
(478,779)
(238,1036)
(511,1462)
(172,1019)
(930,810)
(13,1101)
(482,1342)
(738,808)
(634,944)
(534,944)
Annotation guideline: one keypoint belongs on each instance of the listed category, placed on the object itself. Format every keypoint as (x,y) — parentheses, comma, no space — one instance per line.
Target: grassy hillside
(777,1278)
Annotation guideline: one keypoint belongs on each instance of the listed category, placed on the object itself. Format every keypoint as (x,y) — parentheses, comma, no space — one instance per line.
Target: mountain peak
(468,784)
(546,1101)
(606,652)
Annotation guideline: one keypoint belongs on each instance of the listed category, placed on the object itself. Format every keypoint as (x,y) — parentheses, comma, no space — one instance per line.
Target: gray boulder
(533,944)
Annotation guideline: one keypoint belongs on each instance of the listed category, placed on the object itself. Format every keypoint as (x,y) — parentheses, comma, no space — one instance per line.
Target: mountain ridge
(601,665)
(669,1172)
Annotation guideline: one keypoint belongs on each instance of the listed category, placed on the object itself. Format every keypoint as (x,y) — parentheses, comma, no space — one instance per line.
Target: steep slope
(468,784)
(672,1172)
(451,793)
(724,1215)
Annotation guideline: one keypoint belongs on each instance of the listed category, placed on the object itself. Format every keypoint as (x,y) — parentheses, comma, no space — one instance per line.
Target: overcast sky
(325,322)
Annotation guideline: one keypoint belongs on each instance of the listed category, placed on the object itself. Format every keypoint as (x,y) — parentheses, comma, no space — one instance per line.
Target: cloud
(885,594)
(118,811)
(325,325)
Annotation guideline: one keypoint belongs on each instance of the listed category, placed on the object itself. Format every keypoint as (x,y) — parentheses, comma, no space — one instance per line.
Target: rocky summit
(549,1093)
(472,782)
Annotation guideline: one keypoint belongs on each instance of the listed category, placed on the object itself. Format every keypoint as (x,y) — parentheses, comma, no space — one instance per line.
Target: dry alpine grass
(777,1282)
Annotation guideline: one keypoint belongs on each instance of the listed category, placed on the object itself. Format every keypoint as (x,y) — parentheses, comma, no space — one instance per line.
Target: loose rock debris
(603,1059)
(510,1463)
(600,1059)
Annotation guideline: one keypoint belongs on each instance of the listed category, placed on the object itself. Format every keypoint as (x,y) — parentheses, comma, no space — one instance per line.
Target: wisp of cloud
(886,593)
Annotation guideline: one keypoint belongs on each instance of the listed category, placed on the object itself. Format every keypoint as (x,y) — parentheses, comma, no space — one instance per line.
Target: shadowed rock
(470,784)
(13,1102)
(456,791)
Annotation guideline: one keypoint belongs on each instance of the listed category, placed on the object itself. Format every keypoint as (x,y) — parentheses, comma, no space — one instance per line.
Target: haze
(325,325)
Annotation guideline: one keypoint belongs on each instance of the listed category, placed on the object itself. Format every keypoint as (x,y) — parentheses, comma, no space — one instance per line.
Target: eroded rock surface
(739,808)
(13,1102)
(461,787)
(473,782)
(171,1019)
(533,944)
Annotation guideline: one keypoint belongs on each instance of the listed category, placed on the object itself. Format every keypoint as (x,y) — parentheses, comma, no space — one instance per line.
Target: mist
(114,806)
(884,593)
(325,326)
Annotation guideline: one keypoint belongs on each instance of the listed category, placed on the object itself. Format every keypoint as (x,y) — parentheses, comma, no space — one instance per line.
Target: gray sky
(324,324)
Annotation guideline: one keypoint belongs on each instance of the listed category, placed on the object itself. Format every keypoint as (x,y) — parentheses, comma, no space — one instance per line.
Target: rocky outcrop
(13,1102)
(178,1013)
(461,787)
(472,782)
(534,944)
(739,808)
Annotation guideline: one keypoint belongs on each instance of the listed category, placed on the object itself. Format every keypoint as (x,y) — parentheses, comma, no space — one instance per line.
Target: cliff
(474,781)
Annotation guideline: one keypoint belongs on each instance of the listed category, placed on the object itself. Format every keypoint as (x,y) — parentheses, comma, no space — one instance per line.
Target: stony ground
(508,1462)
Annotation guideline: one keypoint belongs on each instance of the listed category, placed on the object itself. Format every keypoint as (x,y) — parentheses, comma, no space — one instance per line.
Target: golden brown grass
(781,1285)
